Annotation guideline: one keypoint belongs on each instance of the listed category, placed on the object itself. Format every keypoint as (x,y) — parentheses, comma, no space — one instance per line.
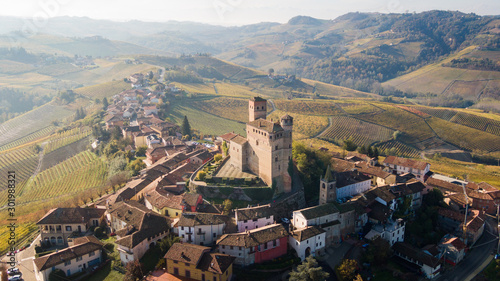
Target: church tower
(327,188)
(257,109)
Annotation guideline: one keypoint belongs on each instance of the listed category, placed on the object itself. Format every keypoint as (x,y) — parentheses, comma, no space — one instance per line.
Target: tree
(349,145)
(168,242)
(186,128)
(379,251)
(105,103)
(217,157)
(228,206)
(141,151)
(57,275)
(225,149)
(202,175)
(134,271)
(362,149)
(396,135)
(308,270)
(347,270)
(136,165)
(271,71)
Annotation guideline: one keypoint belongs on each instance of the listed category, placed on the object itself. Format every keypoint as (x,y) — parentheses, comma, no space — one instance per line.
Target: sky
(231,12)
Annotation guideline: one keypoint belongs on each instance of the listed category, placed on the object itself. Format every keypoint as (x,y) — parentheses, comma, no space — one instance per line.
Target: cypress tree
(186,128)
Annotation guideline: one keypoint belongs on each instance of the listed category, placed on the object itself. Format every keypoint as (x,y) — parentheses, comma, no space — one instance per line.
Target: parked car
(15,278)
(13,271)
(285,220)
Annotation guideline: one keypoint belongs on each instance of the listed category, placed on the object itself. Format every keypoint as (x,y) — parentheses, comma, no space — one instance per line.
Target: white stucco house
(400,166)
(325,216)
(85,254)
(307,241)
(201,228)
(253,217)
(393,232)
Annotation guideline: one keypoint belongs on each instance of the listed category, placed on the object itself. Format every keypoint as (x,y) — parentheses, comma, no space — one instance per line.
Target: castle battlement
(267,149)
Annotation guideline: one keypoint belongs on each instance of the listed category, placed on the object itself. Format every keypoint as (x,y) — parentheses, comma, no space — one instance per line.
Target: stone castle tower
(328,188)
(267,149)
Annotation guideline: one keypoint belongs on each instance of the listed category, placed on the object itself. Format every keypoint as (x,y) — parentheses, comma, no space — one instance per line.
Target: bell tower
(257,109)
(327,188)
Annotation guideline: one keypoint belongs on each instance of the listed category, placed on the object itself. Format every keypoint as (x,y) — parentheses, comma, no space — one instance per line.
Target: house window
(175,262)
(265,246)
(68,228)
(276,159)
(182,227)
(276,148)
(223,247)
(274,243)
(231,247)
(186,264)
(239,248)
(78,258)
(67,263)
(215,234)
(215,278)
(203,277)
(176,271)
(91,254)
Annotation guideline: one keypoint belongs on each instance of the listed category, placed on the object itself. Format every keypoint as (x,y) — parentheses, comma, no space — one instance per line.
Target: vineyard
(397,148)
(23,161)
(307,107)
(470,120)
(357,107)
(31,122)
(22,231)
(414,127)
(362,133)
(233,90)
(83,171)
(465,137)
(304,126)
(65,138)
(229,108)
(29,138)
(100,91)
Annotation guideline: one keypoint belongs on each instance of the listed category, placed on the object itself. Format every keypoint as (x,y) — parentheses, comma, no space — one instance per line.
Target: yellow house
(170,204)
(196,262)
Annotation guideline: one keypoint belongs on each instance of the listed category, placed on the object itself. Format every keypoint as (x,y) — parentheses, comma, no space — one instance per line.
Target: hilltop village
(175,219)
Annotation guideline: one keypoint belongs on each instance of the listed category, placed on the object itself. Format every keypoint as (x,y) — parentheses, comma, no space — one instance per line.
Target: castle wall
(238,156)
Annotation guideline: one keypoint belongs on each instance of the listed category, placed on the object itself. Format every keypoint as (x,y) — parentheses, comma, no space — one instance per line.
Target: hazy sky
(232,12)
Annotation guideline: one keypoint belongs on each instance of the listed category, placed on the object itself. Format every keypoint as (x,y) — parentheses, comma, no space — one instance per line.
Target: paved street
(477,258)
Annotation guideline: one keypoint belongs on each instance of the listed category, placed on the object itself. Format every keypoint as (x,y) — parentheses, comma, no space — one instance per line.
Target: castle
(267,149)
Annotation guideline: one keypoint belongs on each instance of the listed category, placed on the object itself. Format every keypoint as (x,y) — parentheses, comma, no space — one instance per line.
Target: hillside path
(274,107)
(328,127)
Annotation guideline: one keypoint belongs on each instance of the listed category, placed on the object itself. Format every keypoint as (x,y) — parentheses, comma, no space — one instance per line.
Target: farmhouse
(196,262)
(255,246)
(253,217)
(83,255)
(60,223)
(400,166)
(200,228)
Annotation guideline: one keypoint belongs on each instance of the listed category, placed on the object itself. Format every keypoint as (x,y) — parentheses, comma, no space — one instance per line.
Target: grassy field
(229,108)
(304,126)
(31,122)
(324,108)
(107,89)
(204,122)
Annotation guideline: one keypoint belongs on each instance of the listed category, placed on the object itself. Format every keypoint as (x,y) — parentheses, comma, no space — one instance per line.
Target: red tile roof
(405,162)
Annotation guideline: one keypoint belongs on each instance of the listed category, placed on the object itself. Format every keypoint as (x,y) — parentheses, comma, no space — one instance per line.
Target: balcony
(200,233)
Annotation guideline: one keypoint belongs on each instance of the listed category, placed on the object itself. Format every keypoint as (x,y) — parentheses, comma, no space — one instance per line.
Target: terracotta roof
(229,136)
(458,198)
(379,211)
(266,125)
(457,243)
(130,212)
(444,184)
(454,215)
(479,195)
(163,199)
(187,253)
(251,213)
(405,162)
(85,246)
(383,193)
(416,186)
(416,254)
(318,211)
(254,237)
(306,233)
(195,219)
(349,177)
(239,140)
(71,215)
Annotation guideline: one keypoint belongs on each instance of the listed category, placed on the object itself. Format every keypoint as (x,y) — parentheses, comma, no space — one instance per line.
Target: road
(477,258)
